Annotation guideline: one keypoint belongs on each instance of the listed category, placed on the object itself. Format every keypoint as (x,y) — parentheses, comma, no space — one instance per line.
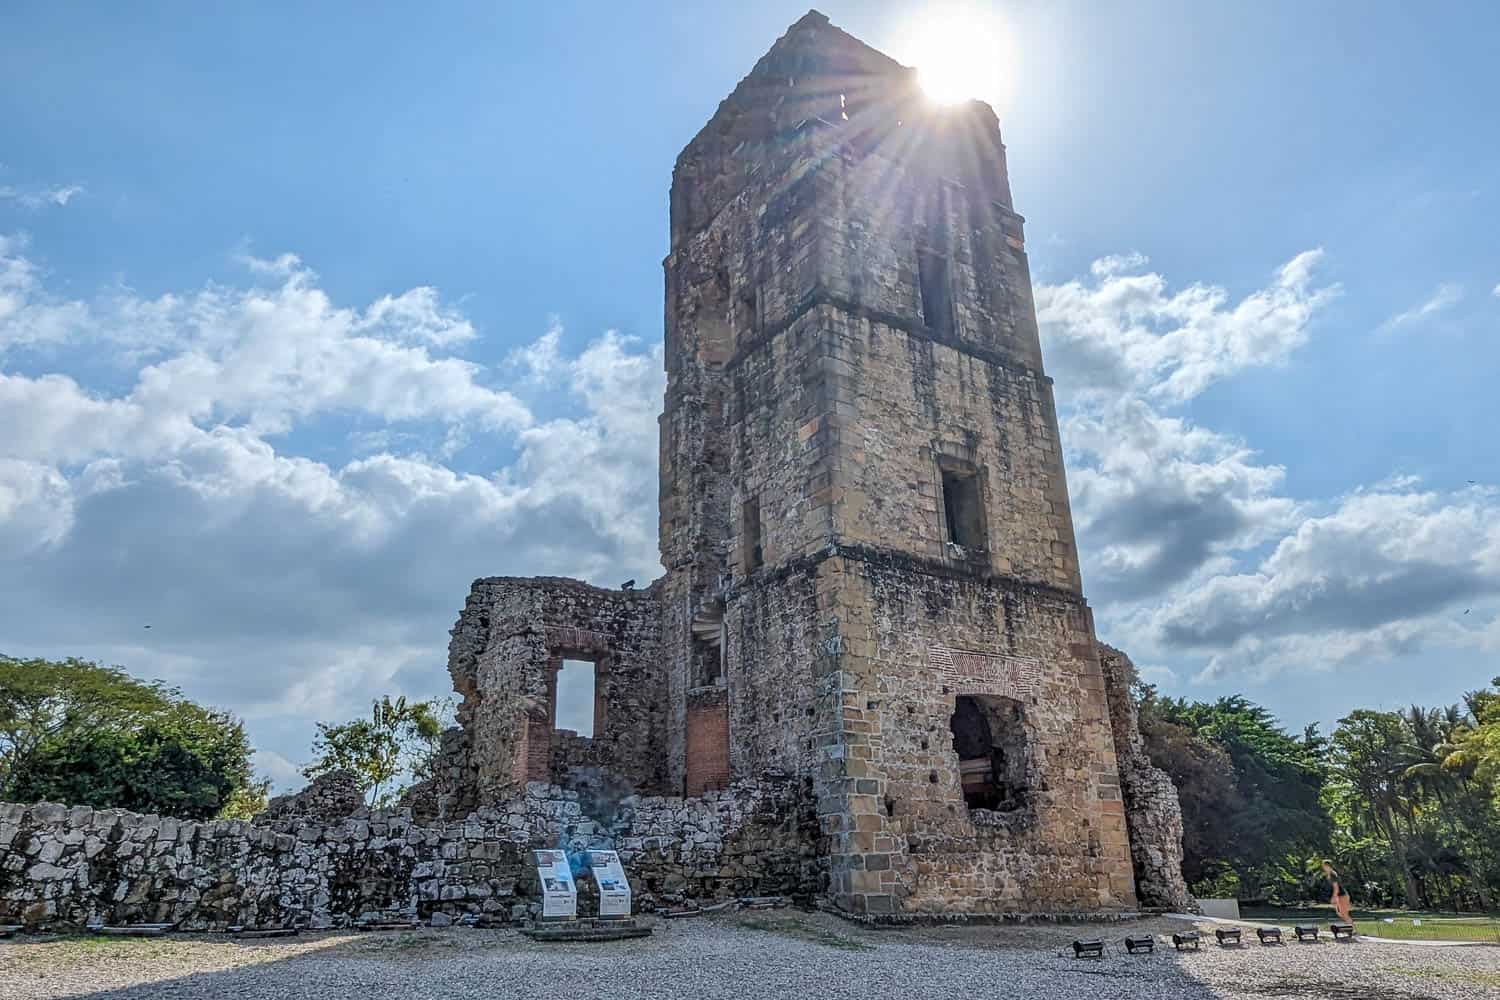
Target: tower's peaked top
(817,74)
(814,18)
(802,76)
(813,44)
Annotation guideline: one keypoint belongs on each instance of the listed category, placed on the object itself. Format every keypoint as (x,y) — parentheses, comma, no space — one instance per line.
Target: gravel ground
(743,957)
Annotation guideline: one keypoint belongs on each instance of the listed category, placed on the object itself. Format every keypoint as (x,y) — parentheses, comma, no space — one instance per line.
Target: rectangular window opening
(573,707)
(750,310)
(963,508)
(707,653)
(754,558)
(937,302)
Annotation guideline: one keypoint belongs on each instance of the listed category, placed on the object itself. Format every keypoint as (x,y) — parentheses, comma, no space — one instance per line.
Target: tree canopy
(77,732)
(1250,790)
(398,741)
(1406,804)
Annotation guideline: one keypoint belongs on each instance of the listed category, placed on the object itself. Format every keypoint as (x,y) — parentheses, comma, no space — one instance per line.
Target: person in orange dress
(1340,894)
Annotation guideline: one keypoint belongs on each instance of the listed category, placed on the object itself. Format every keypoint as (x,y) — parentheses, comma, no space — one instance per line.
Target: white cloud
(282,266)
(28,317)
(34,198)
(282,772)
(1496,292)
(1158,675)
(290,589)
(1389,567)
(1444,297)
(1157,500)
(539,361)
(1189,542)
(1126,332)
(264,358)
(1106,267)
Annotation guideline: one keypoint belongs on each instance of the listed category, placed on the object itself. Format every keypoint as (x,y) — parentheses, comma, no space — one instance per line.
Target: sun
(958,50)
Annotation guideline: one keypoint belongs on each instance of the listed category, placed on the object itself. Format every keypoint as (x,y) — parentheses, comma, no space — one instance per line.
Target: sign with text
(614,889)
(559,894)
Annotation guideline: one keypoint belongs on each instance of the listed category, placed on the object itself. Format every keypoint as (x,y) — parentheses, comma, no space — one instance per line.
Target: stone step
(587,930)
(387,925)
(131,930)
(255,933)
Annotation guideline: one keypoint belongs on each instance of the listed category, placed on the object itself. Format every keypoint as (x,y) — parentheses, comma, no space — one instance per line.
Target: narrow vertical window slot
(753,557)
(937,302)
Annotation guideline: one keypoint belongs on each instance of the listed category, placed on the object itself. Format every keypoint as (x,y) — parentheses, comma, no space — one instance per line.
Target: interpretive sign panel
(559,894)
(614,889)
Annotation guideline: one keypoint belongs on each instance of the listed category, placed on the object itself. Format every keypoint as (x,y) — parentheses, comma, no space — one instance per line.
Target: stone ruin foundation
(868,675)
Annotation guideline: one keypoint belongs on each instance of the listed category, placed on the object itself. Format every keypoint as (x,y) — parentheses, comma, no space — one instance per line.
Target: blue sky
(309,317)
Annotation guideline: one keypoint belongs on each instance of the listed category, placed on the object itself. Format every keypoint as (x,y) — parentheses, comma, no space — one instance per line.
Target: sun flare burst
(958,50)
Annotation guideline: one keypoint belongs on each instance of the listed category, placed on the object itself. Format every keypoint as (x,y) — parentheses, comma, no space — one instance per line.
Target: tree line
(1406,804)
(76,732)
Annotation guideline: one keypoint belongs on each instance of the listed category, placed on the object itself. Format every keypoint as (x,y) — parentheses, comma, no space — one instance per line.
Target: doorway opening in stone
(576,702)
(989,737)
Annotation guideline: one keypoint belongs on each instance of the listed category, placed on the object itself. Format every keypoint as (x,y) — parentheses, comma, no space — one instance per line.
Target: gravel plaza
(741,956)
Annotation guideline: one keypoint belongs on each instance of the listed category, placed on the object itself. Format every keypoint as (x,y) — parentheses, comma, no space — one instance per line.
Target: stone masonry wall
(507,647)
(328,797)
(1152,810)
(913,641)
(67,867)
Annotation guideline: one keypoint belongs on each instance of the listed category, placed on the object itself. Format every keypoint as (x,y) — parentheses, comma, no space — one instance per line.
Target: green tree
(247,801)
(76,732)
(1211,803)
(1370,754)
(1474,750)
(1415,804)
(398,741)
(44,701)
(1250,791)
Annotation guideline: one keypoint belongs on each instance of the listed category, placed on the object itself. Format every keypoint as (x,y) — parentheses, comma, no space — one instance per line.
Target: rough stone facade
(871,584)
(328,797)
(507,649)
(868,672)
(71,867)
(1152,810)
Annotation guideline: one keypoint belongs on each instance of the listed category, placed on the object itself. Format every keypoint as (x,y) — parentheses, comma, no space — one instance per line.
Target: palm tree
(1370,753)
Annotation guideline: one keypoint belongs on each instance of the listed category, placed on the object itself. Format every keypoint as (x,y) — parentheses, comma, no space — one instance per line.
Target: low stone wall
(69,866)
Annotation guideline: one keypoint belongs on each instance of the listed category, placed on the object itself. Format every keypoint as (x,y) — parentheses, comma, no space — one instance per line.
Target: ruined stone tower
(872,594)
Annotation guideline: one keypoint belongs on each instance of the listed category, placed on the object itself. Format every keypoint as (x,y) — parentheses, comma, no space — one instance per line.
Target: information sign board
(614,888)
(559,894)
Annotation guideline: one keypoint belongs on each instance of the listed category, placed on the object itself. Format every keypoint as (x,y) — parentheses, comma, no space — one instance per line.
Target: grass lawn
(1399,924)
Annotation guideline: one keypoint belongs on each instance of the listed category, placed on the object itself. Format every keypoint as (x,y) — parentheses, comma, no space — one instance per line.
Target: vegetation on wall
(394,747)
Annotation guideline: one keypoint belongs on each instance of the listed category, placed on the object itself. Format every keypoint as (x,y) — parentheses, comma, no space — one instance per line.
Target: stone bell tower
(872,583)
